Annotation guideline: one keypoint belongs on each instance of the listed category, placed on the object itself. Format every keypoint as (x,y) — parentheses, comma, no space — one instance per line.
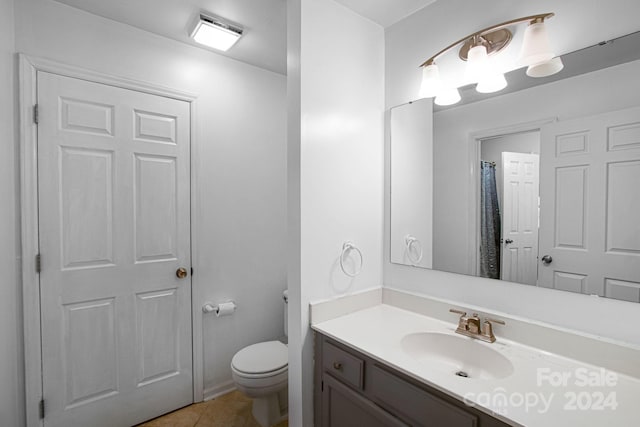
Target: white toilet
(261,372)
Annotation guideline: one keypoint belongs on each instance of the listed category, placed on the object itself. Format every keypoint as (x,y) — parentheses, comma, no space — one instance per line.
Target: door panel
(114,201)
(589,214)
(621,289)
(155,127)
(86,204)
(158,329)
(569,282)
(623,207)
(624,137)
(90,341)
(156,226)
(86,117)
(572,185)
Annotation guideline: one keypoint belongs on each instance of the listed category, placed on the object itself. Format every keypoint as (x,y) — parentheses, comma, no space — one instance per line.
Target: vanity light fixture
(476,50)
(448,96)
(215,32)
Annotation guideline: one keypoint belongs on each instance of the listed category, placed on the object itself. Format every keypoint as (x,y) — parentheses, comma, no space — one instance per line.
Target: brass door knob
(181,273)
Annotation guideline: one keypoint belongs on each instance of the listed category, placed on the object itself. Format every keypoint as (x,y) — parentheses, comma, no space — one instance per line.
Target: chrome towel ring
(347,247)
(413,244)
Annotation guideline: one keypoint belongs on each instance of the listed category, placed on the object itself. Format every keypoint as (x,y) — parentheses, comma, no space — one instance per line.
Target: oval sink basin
(461,356)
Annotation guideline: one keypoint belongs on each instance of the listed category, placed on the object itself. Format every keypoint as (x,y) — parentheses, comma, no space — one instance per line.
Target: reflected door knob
(181,273)
(508,241)
(546,260)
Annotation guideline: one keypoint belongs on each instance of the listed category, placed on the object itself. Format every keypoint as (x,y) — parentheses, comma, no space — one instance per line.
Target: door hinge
(41,409)
(38,263)
(36,117)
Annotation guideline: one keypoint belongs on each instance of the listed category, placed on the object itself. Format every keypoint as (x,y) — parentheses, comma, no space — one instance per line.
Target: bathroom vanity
(353,389)
(399,362)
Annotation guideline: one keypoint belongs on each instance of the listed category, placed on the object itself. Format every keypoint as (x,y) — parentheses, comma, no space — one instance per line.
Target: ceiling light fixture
(476,50)
(215,32)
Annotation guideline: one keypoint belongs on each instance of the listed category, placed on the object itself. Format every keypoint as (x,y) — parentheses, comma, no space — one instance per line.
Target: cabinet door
(343,407)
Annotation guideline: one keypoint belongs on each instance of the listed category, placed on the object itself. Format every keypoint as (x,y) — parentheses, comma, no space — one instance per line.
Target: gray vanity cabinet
(353,390)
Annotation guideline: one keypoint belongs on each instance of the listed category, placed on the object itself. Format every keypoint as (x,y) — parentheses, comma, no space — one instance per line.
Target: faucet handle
(463,322)
(487,329)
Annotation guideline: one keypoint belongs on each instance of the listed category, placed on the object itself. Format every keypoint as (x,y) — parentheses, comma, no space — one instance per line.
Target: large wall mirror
(539,186)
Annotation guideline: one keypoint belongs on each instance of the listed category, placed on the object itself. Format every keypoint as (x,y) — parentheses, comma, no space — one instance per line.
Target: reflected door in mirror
(520,218)
(590,224)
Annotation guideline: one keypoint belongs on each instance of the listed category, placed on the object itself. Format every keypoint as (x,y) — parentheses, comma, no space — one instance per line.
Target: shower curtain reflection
(489,222)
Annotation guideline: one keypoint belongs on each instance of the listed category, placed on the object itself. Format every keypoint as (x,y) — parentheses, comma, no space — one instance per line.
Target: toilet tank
(285,296)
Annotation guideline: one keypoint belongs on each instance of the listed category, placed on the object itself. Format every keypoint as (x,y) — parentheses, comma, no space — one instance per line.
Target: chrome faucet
(470,326)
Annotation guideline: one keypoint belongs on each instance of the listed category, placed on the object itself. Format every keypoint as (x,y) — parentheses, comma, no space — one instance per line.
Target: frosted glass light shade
(214,36)
(545,69)
(492,83)
(431,83)
(477,63)
(448,96)
(536,47)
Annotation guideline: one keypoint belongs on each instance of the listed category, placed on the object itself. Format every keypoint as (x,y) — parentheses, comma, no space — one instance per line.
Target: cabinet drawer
(342,365)
(418,407)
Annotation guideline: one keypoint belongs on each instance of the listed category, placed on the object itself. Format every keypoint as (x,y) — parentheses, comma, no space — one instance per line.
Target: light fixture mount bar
(496,34)
(494,41)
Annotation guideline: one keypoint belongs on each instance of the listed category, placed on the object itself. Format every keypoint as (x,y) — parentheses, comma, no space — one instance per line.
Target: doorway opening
(509,208)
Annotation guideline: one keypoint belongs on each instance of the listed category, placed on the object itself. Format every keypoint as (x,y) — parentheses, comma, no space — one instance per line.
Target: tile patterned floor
(229,410)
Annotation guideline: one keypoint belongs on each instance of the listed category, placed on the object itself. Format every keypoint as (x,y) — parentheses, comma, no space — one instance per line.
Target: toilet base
(271,409)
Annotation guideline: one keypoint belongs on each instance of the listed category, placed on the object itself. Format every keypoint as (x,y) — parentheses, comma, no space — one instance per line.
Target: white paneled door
(114,209)
(520,218)
(590,210)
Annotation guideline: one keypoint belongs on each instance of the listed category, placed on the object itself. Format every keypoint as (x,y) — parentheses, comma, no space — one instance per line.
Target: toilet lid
(261,358)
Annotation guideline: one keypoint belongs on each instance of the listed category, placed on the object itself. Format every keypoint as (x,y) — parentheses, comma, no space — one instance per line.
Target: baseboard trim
(218,390)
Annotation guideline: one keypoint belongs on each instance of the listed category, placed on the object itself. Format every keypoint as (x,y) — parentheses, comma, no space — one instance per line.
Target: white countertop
(377,332)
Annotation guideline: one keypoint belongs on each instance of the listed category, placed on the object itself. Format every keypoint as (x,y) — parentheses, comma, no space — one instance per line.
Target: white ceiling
(264,43)
(385,12)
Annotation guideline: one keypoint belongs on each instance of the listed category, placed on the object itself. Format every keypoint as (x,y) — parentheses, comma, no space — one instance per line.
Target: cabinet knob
(337,366)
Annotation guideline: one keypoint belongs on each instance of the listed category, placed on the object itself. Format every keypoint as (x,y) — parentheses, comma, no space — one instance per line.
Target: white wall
(339,167)
(240,156)
(297,329)
(11,365)
(414,39)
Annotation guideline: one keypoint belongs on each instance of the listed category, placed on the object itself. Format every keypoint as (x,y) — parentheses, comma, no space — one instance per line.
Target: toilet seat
(249,375)
(261,360)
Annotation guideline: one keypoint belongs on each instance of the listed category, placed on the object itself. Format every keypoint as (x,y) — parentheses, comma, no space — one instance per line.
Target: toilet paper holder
(221,309)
